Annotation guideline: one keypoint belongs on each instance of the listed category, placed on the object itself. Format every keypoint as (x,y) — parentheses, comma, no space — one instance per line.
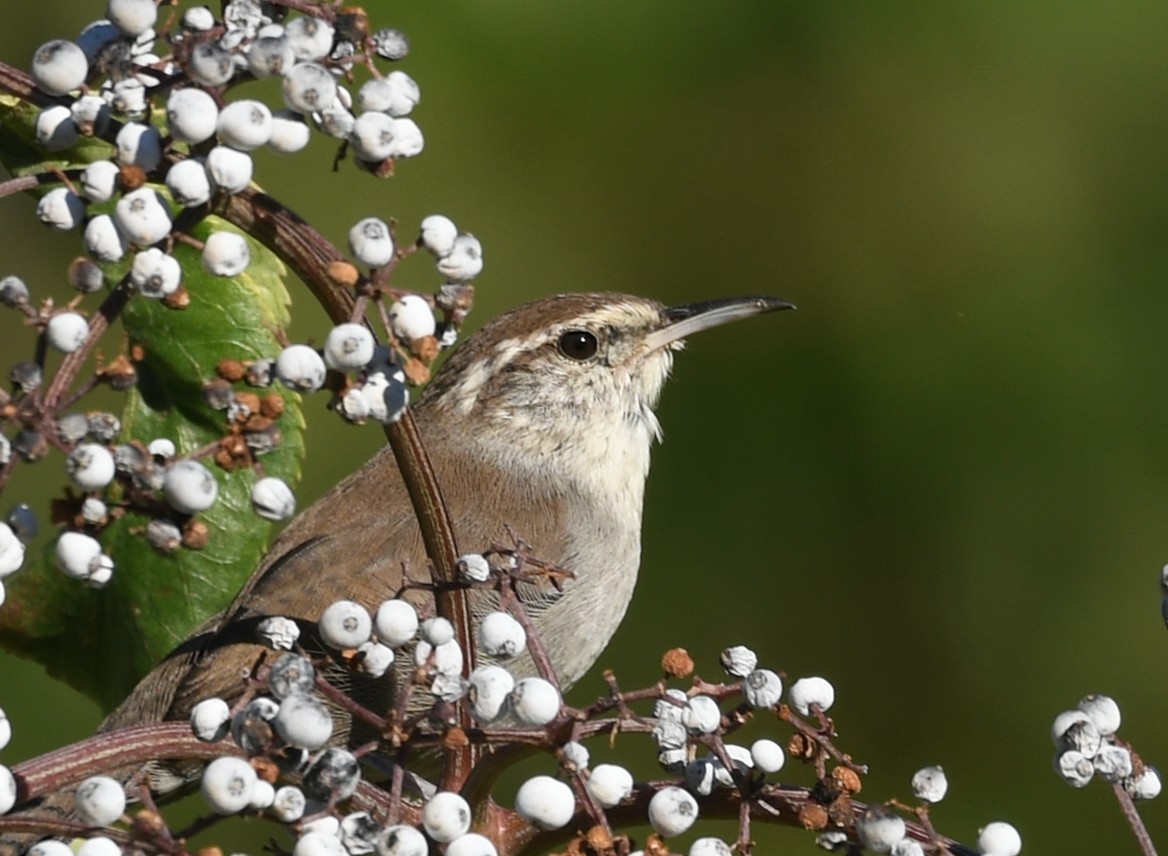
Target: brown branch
(1128,806)
(127,747)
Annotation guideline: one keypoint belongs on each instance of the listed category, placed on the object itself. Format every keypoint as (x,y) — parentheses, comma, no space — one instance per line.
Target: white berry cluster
(291,718)
(293,772)
(1087,746)
(205,147)
(177,142)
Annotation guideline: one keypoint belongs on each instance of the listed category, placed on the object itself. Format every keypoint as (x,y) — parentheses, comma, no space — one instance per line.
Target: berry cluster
(280,759)
(179,152)
(1087,746)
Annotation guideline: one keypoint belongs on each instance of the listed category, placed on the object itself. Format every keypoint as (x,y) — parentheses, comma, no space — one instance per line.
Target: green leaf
(103,641)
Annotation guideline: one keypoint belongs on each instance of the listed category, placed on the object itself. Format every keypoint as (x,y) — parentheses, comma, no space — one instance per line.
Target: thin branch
(1128,807)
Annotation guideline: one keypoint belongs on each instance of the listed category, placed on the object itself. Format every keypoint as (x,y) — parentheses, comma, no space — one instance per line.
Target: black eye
(578,345)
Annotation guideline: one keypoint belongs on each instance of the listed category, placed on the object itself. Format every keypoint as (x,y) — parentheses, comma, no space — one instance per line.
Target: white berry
(471,844)
(191,114)
(141,216)
(301,368)
(574,755)
(473,568)
(447,658)
(488,689)
(230,170)
(91,114)
(999,839)
(310,38)
(345,624)
(304,722)
(372,137)
(1146,786)
(210,65)
(262,795)
(396,622)
(162,447)
(99,800)
(535,701)
(879,828)
(155,274)
(464,261)
(90,466)
(446,816)
(98,180)
(269,56)
(314,843)
(438,234)
(290,133)
(546,802)
(55,129)
(500,635)
(806,692)
(99,845)
(227,785)
(930,784)
(348,346)
(102,239)
(371,242)
(245,124)
(272,499)
(907,847)
(309,88)
(1104,713)
(278,633)
(609,784)
(132,17)
(225,254)
(762,688)
(7,790)
(189,487)
(396,94)
(767,755)
(408,140)
(437,631)
(67,331)
(1113,763)
(375,658)
(672,811)
(189,183)
(412,318)
(59,66)
(709,847)
(701,715)
(403,841)
(139,145)
(288,804)
(11,555)
(49,848)
(61,208)
(210,720)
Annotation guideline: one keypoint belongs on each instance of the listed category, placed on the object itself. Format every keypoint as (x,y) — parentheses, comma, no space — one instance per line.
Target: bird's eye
(578,345)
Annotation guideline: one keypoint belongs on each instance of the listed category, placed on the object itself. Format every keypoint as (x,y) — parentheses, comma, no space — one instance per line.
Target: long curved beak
(695,317)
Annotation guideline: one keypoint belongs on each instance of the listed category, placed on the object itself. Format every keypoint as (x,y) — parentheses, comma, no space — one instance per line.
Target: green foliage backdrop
(943,483)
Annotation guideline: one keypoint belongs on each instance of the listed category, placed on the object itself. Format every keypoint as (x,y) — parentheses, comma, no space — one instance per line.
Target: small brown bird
(540,425)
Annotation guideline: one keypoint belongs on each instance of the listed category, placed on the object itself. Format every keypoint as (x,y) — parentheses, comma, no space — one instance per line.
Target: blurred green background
(943,482)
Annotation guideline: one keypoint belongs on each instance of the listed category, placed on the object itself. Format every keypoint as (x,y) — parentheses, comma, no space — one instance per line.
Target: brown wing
(352,543)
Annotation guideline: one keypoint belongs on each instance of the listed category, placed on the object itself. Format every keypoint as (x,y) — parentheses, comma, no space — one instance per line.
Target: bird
(539,426)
